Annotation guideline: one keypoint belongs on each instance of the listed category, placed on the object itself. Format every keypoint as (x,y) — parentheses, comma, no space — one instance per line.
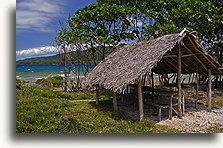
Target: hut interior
(139,73)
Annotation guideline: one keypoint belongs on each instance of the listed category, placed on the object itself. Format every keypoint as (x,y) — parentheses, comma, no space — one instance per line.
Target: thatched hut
(171,53)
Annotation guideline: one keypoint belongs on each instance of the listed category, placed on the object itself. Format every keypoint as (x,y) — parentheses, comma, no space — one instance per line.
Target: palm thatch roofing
(132,61)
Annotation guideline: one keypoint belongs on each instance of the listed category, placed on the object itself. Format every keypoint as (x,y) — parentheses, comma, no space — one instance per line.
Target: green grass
(41,110)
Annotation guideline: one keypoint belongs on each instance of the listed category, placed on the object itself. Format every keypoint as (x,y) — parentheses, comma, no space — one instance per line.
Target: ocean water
(33,72)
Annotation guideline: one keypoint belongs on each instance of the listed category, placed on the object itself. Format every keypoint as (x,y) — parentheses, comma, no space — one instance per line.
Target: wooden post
(97,94)
(179,84)
(152,87)
(159,115)
(140,99)
(183,105)
(209,90)
(114,98)
(171,108)
(197,87)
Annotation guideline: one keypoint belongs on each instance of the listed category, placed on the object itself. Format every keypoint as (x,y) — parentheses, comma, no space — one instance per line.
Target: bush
(56,81)
(19,83)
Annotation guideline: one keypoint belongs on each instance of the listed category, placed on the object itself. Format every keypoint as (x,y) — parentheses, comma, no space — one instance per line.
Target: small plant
(55,81)
(19,83)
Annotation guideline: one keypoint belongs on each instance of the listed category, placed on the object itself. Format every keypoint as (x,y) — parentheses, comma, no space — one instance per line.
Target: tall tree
(62,45)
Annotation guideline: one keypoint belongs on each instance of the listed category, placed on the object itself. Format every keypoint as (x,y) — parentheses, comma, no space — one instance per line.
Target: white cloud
(37,14)
(36,52)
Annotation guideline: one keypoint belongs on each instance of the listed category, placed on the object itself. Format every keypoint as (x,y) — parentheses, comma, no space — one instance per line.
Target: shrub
(55,81)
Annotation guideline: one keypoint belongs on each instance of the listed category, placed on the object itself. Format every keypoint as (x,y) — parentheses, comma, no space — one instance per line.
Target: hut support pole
(209,90)
(140,99)
(115,106)
(179,85)
(197,88)
(97,94)
(152,87)
(183,105)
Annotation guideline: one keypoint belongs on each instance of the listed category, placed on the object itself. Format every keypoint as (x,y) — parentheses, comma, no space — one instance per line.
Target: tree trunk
(65,71)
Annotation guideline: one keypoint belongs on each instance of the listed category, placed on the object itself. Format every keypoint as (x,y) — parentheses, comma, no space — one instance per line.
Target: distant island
(47,60)
(39,61)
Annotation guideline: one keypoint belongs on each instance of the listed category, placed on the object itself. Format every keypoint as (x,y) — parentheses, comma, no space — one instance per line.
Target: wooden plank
(175,111)
(183,105)
(173,79)
(159,114)
(140,100)
(189,79)
(209,90)
(188,55)
(179,84)
(158,106)
(169,56)
(114,98)
(97,94)
(171,108)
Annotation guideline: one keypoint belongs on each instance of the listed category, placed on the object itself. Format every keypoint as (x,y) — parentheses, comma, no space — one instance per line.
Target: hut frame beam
(182,65)
(202,53)
(169,63)
(196,58)
(175,56)
(163,67)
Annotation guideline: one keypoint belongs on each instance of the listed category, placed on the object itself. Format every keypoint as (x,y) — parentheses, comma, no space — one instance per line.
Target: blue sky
(38,20)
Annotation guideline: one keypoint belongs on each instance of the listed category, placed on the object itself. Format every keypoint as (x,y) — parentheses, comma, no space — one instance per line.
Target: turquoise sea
(34,72)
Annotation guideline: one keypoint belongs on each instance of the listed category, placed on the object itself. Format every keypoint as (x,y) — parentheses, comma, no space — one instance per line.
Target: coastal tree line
(98,28)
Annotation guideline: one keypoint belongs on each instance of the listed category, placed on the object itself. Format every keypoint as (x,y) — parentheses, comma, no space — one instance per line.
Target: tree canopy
(111,22)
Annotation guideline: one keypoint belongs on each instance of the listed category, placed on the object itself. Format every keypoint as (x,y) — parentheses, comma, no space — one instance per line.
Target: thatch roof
(130,62)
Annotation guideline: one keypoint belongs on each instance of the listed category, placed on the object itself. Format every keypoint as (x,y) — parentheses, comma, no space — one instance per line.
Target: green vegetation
(42,110)
(56,81)
(20,83)
(216,129)
(110,22)
(216,101)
